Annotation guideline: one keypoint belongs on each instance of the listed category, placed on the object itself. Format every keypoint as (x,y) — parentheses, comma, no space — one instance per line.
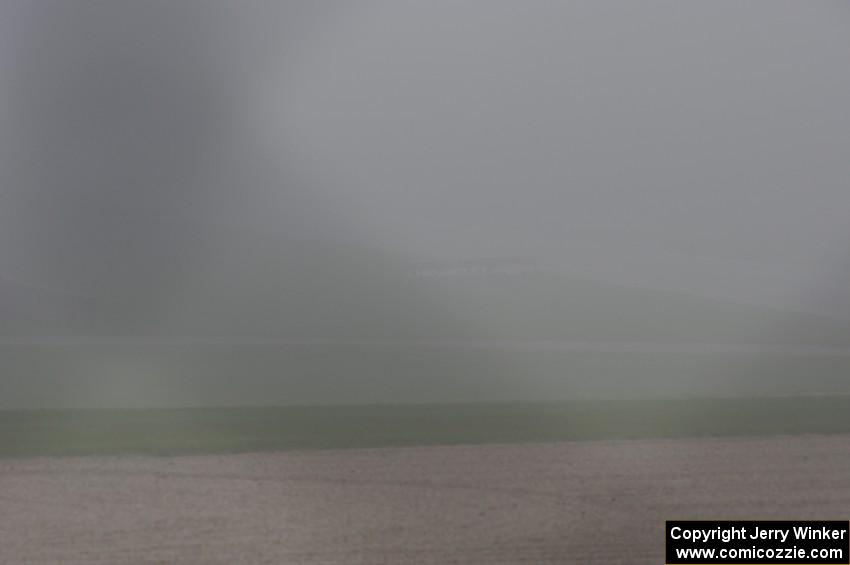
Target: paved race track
(584,502)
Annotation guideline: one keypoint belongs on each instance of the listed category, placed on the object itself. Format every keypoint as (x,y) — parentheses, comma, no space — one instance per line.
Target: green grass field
(226,430)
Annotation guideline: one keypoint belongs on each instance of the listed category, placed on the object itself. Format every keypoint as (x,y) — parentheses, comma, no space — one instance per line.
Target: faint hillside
(242,283)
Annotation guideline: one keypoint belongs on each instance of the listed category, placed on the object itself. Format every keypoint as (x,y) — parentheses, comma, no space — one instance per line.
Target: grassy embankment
(225,430)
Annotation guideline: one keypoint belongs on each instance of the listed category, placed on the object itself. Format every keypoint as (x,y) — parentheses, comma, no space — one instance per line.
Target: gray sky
(701,147)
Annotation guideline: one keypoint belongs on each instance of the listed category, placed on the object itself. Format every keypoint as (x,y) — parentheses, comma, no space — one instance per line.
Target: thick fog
(700,147)
(424,171)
